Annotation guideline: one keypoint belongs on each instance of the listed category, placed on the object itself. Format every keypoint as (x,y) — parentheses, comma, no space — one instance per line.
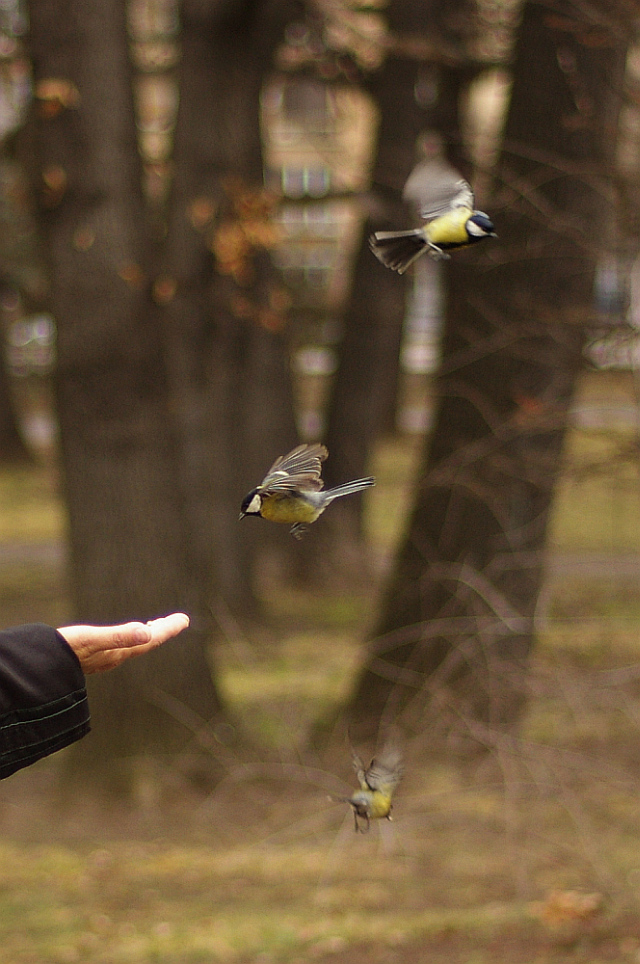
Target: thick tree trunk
(128,539)
(227,362)
(457,623)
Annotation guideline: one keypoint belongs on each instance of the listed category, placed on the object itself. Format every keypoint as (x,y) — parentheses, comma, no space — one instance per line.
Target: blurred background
(186,292)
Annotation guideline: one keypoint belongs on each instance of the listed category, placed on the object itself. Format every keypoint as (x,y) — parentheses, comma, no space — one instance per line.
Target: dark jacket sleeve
(43,700)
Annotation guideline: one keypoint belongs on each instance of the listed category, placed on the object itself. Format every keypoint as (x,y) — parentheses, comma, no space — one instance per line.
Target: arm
(43,699)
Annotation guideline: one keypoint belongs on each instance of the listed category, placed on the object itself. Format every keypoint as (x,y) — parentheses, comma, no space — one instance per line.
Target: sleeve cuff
(43,699)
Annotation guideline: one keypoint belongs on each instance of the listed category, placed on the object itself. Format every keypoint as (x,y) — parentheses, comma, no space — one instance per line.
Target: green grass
(597,506)
(267,868)
(305,679)
(394,467)
(165,904)
(30,506)
(271,870)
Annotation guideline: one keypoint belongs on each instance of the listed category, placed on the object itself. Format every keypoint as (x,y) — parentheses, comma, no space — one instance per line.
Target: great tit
(291,492)
(446,203)
(377,782)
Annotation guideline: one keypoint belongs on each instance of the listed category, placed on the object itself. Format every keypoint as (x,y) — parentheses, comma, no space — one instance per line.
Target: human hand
(100,648)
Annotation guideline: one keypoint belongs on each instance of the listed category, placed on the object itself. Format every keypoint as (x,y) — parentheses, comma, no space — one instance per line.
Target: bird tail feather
(349,488)
(398,249)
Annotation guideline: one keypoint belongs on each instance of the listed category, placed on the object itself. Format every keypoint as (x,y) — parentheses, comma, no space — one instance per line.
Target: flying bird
(292,490)
(377,782)
(447,204)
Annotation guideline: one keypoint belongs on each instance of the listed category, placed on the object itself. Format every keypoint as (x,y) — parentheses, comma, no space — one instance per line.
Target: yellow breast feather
(289,509)
(450,228)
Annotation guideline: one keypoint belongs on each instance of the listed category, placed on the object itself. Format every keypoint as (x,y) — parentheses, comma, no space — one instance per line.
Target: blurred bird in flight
(292,490)
(377,782)
(446,203)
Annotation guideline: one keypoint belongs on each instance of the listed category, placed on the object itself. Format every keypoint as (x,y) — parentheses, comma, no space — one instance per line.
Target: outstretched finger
(166,627)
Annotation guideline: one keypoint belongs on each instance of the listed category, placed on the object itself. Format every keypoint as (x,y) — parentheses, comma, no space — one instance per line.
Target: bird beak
(241,516)
(493,235)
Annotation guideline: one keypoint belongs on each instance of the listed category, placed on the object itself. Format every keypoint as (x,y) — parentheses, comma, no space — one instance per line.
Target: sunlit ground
(527,852)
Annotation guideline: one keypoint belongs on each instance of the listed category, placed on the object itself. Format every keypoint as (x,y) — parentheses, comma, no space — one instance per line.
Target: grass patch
(33,592)
(281,695)
(340,611)
(30,506)
(277,873)
(597,506)
(166,904)
(596,598)
(268,869)
(394,467)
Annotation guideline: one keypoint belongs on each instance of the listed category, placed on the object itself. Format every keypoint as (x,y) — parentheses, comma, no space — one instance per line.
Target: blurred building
(318,139)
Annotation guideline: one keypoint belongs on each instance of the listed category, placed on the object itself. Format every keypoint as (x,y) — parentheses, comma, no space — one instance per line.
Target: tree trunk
(457,622)
(128,539)
(13,449)
(227,362)
(364,394)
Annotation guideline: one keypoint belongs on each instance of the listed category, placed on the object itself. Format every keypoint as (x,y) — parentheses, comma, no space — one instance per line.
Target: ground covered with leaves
(524,849)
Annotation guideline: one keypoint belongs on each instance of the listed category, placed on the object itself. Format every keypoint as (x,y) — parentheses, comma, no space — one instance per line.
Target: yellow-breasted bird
(292,490)
(446,202)
(377,782)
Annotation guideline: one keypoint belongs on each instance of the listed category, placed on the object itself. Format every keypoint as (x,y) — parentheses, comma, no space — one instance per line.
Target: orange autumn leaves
(237,235)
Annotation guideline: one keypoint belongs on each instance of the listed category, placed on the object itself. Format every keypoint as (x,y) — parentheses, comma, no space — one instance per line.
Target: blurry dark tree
(17,273)
(223,309)
(428,53)
(458,618)
(13,448)
(167,349)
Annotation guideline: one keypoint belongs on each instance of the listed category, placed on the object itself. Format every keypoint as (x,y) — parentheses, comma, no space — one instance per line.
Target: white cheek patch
(255,505)
(475,230)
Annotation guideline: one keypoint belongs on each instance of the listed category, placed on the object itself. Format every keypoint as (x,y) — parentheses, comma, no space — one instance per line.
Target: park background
(186,291)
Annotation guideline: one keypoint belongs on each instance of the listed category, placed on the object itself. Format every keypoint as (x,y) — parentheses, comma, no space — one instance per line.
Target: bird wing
(301,468)
(361,770)
(436,188)
(385,771)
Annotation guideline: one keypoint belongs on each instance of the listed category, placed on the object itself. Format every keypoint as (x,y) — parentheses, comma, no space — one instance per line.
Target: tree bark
(120,453)
(223,341)
(13,448)
(458,619)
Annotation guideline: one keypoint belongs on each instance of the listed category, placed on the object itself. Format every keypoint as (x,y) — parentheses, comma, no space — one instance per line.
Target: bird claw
(298,530)
(438,254)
